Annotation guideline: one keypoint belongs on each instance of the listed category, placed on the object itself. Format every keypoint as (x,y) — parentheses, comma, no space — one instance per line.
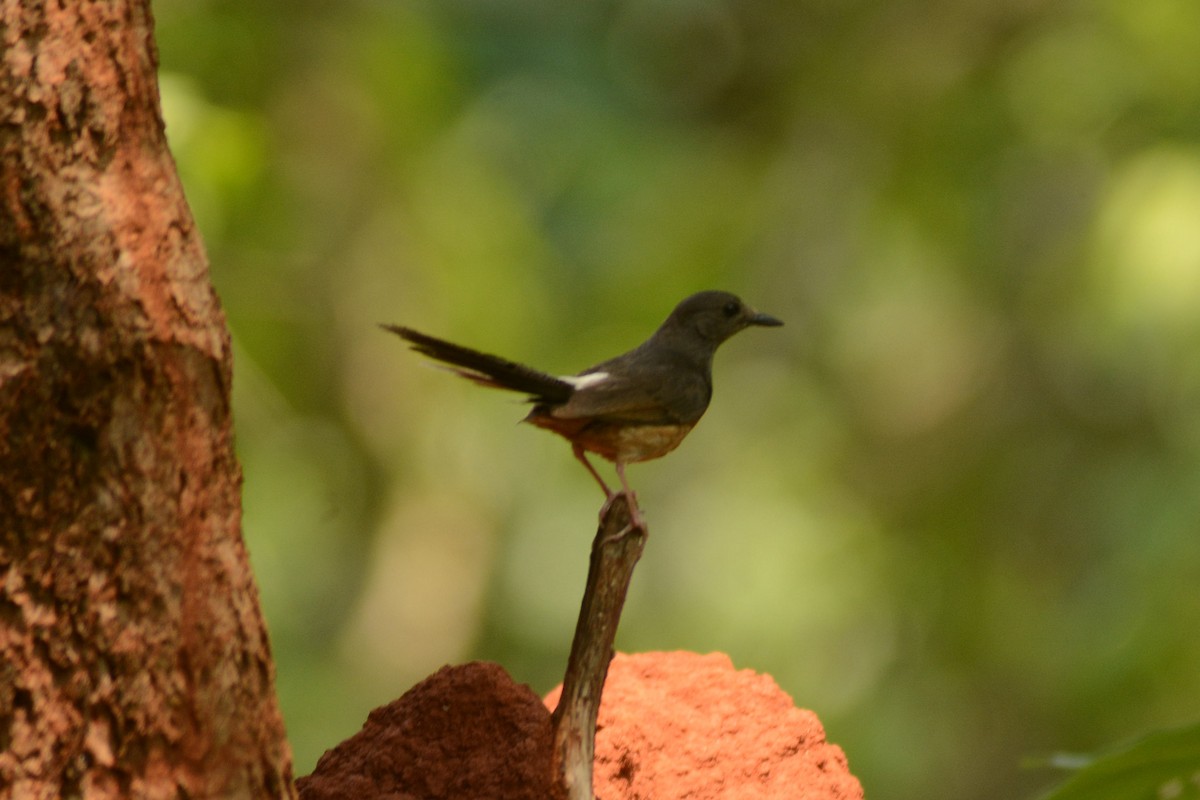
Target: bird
(635,407)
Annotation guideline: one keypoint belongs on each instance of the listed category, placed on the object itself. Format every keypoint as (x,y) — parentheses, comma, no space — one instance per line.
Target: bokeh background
(953,506)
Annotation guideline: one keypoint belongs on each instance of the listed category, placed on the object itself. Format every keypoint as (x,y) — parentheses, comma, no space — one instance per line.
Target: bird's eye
(731,308)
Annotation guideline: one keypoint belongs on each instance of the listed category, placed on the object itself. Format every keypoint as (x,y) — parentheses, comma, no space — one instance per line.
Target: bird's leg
(608,493)
(635,513)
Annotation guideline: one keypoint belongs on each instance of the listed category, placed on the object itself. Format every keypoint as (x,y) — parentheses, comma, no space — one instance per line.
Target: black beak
(765,320)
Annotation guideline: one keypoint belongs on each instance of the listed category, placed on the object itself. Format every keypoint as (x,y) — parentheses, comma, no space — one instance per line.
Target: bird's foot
(635,513)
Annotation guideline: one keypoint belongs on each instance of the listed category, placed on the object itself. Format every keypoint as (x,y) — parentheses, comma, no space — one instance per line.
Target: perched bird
(634,407)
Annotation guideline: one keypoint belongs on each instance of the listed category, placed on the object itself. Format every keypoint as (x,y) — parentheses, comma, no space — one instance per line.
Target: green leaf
(1164,765)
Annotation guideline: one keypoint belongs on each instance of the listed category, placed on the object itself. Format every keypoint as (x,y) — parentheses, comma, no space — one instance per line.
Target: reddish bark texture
(133,656)
(464,733)
(672,726)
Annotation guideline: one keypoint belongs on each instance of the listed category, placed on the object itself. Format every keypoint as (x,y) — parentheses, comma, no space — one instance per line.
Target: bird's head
(712,317)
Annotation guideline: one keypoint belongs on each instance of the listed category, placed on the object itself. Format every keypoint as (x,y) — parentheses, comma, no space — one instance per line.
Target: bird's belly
(616,441)
(628,444)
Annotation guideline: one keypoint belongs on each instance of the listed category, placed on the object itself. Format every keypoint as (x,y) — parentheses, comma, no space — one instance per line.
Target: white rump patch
(584,381)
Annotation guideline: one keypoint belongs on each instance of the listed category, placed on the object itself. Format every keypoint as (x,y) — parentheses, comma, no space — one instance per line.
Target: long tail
(487,370)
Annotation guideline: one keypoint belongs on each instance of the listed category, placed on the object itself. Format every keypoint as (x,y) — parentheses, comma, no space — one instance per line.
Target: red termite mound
(671,725)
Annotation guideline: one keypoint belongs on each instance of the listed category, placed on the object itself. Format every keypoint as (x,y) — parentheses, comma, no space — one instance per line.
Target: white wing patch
(584,381)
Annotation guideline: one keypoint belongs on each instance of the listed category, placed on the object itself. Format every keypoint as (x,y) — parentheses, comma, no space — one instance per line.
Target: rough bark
(134,660)
(615,552)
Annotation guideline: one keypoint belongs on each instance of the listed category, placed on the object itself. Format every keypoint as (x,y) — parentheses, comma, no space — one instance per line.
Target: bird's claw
(635,513)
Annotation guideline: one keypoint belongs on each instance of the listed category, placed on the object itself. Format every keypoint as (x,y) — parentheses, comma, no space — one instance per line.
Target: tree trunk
(133,656)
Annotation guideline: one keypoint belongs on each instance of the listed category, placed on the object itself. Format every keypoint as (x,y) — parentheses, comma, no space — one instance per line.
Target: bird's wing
(651,396)
(486,369)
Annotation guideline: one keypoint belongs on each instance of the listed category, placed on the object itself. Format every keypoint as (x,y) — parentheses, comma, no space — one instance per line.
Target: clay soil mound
(672,725)
(464,733)
(682,725)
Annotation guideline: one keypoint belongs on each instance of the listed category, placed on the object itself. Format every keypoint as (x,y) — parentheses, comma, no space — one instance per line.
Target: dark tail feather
(488,370)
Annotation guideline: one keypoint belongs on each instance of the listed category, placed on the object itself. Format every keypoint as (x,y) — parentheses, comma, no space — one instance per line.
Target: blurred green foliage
(953,506)
(1161,766)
